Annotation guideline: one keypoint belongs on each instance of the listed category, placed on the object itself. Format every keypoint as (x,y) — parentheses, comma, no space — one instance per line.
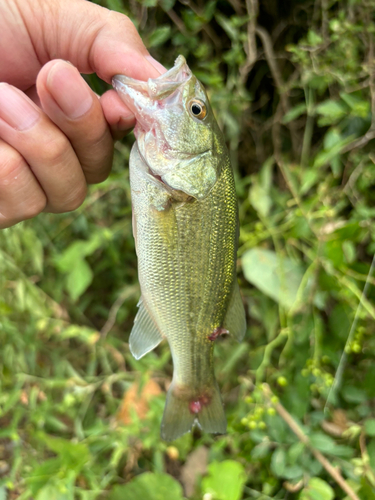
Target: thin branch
(370,134)
(360,142)
(371,70)
(126,294)
(276,75)
(205,27)
(250,45)
(293,425)
(271,346)
(237,6)
(354,176)
(177,21)
(344,356)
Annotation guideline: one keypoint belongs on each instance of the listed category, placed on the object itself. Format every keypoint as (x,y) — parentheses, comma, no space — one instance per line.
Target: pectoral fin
(235,320)
(144,336)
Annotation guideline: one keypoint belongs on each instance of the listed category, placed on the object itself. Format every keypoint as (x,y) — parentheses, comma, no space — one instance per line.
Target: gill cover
(175,128)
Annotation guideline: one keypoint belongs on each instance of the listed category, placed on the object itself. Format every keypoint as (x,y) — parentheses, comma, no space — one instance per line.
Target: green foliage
(225,480)
(317,489)
(277,277)
(149,486)
(292,86)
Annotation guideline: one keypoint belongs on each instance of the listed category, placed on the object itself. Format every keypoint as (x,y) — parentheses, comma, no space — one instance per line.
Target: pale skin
(56,135)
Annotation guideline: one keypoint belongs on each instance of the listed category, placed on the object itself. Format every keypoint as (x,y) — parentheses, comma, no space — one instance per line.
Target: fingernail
(156,64)
(125,123)
(16,109)
(69,90)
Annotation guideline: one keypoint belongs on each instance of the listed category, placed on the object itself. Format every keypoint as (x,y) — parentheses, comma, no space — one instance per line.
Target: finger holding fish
(70,142)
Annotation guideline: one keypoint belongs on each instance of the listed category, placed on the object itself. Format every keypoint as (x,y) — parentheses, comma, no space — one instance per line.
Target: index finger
(92,38)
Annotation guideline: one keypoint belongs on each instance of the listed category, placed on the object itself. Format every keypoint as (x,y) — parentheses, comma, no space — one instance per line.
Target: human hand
(56,136)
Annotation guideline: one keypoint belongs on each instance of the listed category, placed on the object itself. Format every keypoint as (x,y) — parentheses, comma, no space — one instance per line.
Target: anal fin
(145,335)
(235,320)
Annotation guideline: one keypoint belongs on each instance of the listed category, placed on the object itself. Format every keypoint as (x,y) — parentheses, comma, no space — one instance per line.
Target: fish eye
(197,108)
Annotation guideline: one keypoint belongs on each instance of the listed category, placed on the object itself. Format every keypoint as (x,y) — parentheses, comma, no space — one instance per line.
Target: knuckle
(97,177)
(75,199)
(11,163)
(123,20)
(56,149)
(125,25)
(34,207)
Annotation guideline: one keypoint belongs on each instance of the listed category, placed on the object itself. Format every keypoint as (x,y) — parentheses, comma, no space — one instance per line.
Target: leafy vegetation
(293,88)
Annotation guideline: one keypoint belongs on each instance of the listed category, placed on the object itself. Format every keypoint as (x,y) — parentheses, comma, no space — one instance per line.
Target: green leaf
(322,442)
(159,36)
(278,462)
(293,472)
(149,486)
(83,333)
(260,199)
(313,38)
(76,251)
(275,276)
(3,493)
(73,455)
(116,5)
(259,192)
(326,156)
(371,453)
(295,451)
(309,179)
(331,112)
(225,480)
(294,113)
(342,451)
(42,474)
(366,490)
(79,279)
(332,138)
(353,394)
(370,427)
(317,489)
(167,4)
(209,10)
(359,107)
(227,26)
(149,3)
(54,492)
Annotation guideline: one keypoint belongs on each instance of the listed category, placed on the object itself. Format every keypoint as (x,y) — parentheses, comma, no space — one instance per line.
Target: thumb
(92,38)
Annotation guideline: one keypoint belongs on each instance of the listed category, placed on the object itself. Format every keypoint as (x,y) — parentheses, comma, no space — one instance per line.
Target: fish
(185,225)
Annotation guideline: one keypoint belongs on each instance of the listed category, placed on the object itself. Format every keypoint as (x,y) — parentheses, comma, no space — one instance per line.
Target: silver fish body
(185,224)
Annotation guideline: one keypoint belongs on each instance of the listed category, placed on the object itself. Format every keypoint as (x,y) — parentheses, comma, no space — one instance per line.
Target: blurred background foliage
(293,88)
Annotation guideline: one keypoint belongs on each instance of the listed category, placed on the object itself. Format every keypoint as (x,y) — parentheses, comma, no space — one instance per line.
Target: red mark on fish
(217,332)
(196,405)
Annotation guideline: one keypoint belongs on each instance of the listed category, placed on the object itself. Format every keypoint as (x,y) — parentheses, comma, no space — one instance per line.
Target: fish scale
(185,221)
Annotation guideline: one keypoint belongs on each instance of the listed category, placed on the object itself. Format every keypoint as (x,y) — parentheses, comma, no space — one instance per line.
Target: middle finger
(76,110)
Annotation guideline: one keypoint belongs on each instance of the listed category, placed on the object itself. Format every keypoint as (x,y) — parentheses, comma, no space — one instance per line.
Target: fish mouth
(146,99)
(154,89)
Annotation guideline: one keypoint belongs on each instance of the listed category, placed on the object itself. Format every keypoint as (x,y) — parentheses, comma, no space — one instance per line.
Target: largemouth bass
(185,224)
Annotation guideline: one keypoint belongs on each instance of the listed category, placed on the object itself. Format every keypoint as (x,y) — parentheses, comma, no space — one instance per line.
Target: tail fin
(180,415)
